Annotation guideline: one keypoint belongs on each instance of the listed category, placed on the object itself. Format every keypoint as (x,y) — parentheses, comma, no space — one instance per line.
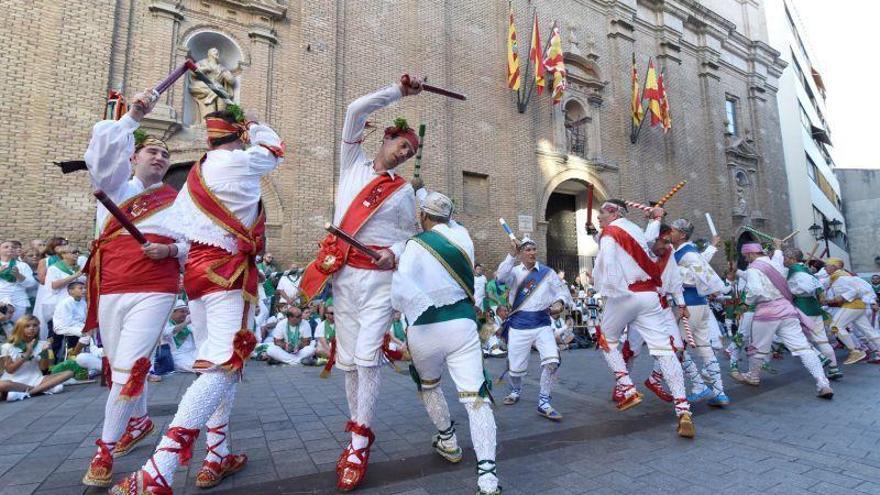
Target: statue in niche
(212,67)
(741,207)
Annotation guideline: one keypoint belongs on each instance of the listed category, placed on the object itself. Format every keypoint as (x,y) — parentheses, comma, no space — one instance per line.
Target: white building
(814,192)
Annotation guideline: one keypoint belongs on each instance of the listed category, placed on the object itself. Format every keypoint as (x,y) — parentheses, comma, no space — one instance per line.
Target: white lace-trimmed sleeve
(260,160)
(109,153)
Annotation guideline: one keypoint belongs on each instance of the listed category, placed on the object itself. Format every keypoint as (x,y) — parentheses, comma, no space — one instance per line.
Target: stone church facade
(298,63)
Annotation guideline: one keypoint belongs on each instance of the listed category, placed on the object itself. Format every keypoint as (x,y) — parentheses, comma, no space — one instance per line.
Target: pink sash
(779,308)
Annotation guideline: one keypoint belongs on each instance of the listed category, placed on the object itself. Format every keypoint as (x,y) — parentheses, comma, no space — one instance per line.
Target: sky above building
(841,36)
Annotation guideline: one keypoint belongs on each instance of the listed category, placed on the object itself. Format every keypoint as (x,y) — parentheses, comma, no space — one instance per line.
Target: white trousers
(817,333)
(216,318)
(789,332)
(454,343)
(519,346)
(131,326)
(362,299)
(88,361)
(279,354)
(635,339)
(857,320)
(639,311)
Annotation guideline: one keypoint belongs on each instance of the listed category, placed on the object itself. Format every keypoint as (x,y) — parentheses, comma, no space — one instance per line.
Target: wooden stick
(417,169)
(789,236)
(356,244)
(633,204)
(688,333)
(120,216)
(671,193)
(758,232)
(813,251)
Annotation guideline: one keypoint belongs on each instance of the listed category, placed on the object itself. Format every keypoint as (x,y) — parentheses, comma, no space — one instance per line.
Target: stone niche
(221,59)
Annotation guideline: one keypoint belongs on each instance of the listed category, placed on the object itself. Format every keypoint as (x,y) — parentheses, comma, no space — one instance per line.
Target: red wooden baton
(405,80)
(329,227)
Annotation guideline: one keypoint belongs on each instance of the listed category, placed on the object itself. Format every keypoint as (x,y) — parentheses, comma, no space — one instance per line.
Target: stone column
(163,24)
(261,72)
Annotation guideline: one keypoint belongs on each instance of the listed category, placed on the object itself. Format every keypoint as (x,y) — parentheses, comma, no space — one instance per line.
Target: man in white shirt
(178,335)
(16,277)
(852,297)
(219,212)
(630,280)
(434,287)
(699,281)
(288,286)
(775,315)
(378,207)
(131,288)
(291,339)
(536,295)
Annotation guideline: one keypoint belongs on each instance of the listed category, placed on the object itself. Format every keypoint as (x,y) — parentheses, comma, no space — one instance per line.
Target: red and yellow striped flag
(535,55)
(555,64)
(652,94)
(513,78)
(665,118)
(638,113)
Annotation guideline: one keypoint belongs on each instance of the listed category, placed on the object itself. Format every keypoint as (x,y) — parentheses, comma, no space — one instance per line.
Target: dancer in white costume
(434,287)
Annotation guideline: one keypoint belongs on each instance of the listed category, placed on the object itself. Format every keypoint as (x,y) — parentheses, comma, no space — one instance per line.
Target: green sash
(329,331)
(492,294)
(181,336)
(6,273)
(456,262)
(808,304)
(268,287)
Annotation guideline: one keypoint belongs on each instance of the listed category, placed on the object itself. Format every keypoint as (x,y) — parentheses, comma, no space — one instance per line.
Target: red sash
(117,265)
(211,269)
(332,252)
(634,249)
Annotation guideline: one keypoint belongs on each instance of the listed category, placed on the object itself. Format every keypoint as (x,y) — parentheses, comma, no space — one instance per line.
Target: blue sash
(527,320)
(691,296)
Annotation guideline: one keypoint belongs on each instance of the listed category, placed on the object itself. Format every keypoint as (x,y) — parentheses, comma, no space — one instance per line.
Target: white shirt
(851,288)
(187,346)
(28,373)
(803,284)
(759,288)
(52,296)
(234,178)
(290,285)
(551,289)
(671,276)
(395,220)
(615,269)
(108,159)
(16,292)
(69,316)
(696,272)
(421,281)
(479,290)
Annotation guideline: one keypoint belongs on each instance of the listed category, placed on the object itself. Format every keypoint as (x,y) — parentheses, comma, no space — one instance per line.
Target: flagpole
(543,53)
(520,104)
(645,107)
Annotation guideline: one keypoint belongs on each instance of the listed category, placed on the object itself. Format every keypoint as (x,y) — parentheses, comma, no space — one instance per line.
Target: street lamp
(816,230)
(834,228)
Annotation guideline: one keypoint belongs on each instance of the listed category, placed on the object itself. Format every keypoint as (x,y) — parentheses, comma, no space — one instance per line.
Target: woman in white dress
(23,359)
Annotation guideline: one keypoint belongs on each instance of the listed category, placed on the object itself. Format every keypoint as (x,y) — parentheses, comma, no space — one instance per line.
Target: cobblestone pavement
(777,438)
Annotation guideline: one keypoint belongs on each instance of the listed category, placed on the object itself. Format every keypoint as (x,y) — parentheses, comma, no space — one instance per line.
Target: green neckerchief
(61,265)
(329,330)
(181,336)
(22,346)
(399,334)
(6,273)
(497,292)
(51,260)
(268,287)
(292,336)
(876,288)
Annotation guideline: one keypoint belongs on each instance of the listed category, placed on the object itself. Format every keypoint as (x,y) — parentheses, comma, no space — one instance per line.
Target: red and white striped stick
(633,204)
(688,333)
(671,193)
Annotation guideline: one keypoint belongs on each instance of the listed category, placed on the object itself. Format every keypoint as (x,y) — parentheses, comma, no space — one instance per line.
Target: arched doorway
(569,248)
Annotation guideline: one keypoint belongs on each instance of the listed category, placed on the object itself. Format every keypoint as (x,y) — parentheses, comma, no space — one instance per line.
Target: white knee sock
(814,366)
(614,359)
(117,412)
(482,424)
(674,377)
(438,411)
(846,340)
(351,391)
(369,379)
(692,373)
(711,369)
(549,377)
(140,407)
(197,404)
(218,440)
(828,351)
